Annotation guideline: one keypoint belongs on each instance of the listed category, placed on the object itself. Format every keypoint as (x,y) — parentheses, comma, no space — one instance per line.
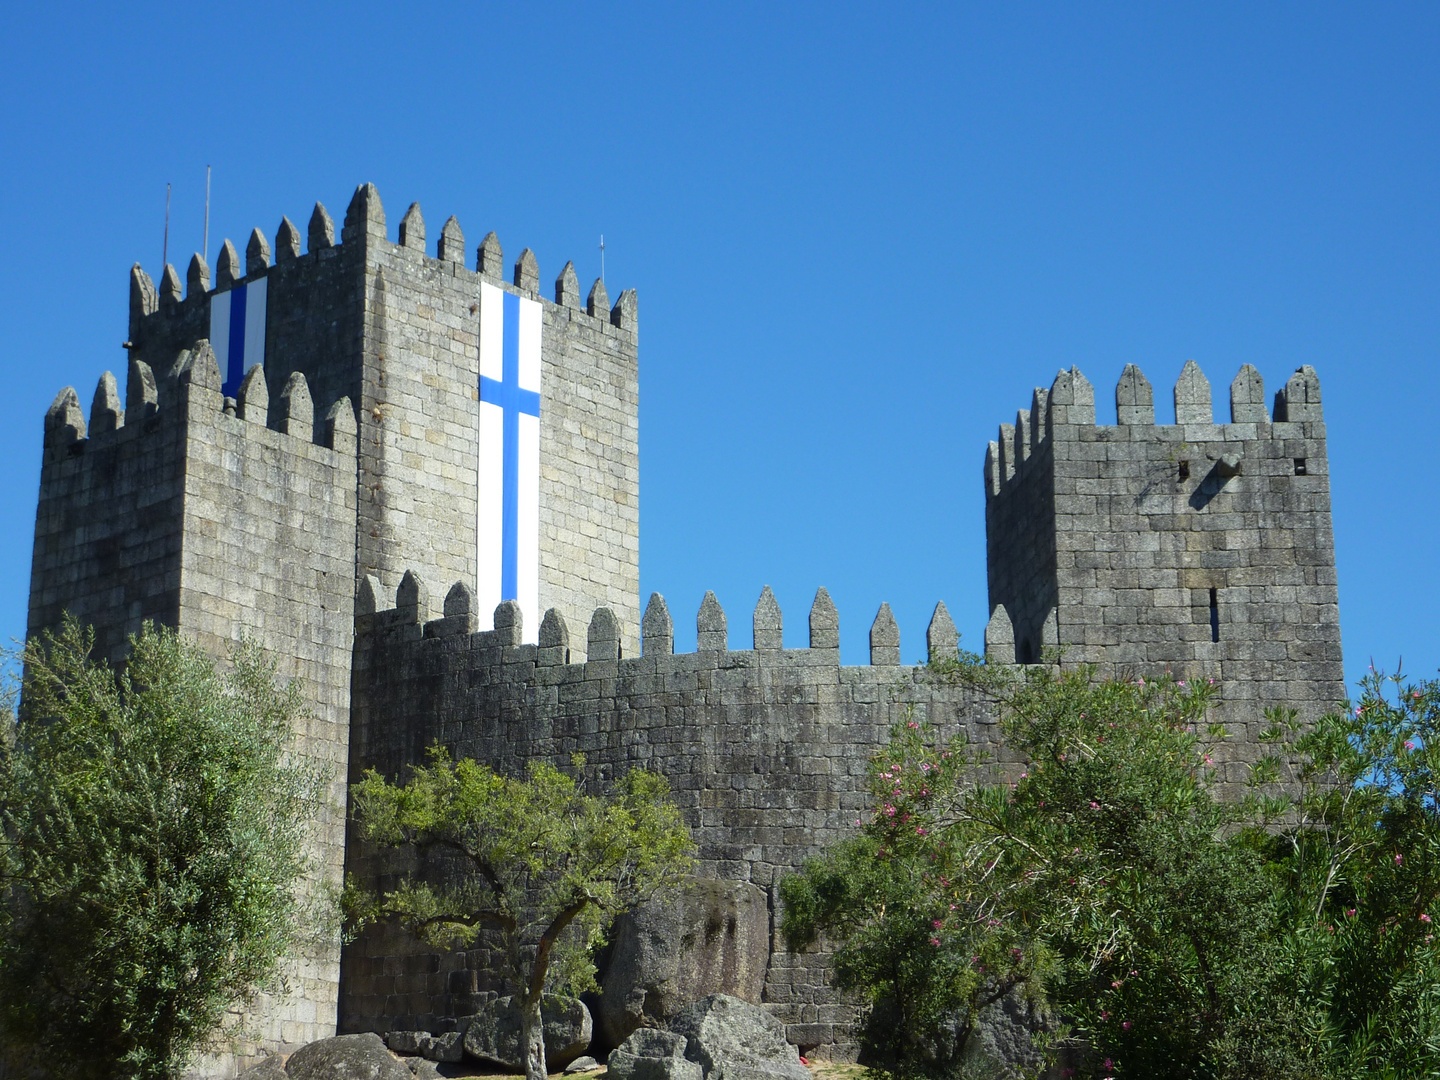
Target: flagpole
(205,251)
(602,258)
(165,249)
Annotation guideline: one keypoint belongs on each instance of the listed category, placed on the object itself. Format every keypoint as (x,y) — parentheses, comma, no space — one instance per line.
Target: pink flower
(1127,1025)
(1350,913)
(935,941)
(1409,745)
(1115,985)
(1181,684)
(1104,1014)
(1108,1065)
(1094,805)
(1424,917)
(1399,859)
(937,923)
(1357,711)
(1416,695)
(911,724)
(920,830)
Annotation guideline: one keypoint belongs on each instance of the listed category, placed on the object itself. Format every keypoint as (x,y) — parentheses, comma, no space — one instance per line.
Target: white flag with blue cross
(507,520)
(237,332)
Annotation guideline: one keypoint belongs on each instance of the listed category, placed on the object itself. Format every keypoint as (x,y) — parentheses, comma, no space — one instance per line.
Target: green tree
(1183,934)
(152,849)
(534,859)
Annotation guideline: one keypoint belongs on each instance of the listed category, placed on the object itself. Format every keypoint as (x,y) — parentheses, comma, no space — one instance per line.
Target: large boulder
(494,1032)
(713,939)
(346,1057)
(731,1039)
(650,1054)
(267,1068)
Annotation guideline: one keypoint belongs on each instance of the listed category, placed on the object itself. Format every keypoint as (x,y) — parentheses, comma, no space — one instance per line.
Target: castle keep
(333,503)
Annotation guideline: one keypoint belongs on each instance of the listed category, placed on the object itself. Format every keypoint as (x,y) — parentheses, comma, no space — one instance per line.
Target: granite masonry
(327,507)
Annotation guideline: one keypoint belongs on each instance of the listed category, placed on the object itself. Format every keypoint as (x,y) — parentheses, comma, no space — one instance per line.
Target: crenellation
(884,638)
(297,410)
(1134,398)
(227,266)
(489,258)
(1192,396)
(711,634)
(825,624)
(942,640)
(322,230)
(767,622)
(412,229)
(252,403)
(657,631)
(257,254)
(597,305)
(527,272)
(106,412)
(287,241)
(171,291)
(143,298)
(142,397)
(567,288)
(364,217)
(197,277)
(451,245)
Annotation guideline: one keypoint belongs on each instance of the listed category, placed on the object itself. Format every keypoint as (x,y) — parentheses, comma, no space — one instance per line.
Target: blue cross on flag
(237,332)
(507,525)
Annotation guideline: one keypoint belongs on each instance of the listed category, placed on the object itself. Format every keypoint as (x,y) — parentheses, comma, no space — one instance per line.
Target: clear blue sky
(860,235)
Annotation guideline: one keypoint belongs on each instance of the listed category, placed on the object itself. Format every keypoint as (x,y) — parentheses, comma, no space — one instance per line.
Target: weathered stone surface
(650,1054)
(267,1068)
(494,1032)
(406,1042)
(714,938)
(448,1046)
(733,1040)
(584,1063)
(346,1057)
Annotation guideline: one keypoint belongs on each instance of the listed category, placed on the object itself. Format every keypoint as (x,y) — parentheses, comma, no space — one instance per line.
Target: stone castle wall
(765,749)
(176,510)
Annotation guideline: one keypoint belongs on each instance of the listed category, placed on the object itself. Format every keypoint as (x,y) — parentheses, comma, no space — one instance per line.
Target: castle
(428,570)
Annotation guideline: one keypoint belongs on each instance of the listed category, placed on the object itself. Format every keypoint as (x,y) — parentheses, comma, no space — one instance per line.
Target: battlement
(410,620)
(1069,406)
(151,309)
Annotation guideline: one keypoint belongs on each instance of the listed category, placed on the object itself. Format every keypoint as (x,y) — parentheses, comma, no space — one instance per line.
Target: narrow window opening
(619,653)
(1300,466)
(1184,470)
(1214,614)
(567,656)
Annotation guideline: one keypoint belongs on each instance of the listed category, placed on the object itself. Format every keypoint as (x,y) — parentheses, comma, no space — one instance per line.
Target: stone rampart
(765,748)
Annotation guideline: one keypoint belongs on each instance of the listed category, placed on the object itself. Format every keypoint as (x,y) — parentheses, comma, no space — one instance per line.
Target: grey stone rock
(447,1047)
(651,1054)
(733,1040)
(346,1057)
(494,1032)
(584,1063)
(406,1042)
(268,1068)
(713,939)
(423,1069)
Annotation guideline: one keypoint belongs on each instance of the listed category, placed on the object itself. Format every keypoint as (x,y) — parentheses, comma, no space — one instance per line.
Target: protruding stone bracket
(657,630)
(711,634)
(884,639)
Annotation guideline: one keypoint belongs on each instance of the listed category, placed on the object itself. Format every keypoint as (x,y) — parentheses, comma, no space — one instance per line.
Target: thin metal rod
(205,251)
(165,250)
(602,258)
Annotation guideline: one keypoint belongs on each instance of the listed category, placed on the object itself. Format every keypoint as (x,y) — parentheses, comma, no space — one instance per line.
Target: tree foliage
(1181,933)
(153,843)
(535,859)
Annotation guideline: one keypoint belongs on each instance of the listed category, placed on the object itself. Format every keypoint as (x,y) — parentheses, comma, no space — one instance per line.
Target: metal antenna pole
(602,258)
(205,251)
(165,250)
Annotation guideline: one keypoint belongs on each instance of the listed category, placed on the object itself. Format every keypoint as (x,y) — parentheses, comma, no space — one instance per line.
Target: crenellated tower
(399,327)
(1198,548)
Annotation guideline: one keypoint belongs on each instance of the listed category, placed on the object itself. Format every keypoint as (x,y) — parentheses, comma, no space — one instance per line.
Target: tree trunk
(532,1036)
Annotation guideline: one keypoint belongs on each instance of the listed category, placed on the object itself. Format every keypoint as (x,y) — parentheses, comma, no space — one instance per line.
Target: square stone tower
(398,328)
(1197,548)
